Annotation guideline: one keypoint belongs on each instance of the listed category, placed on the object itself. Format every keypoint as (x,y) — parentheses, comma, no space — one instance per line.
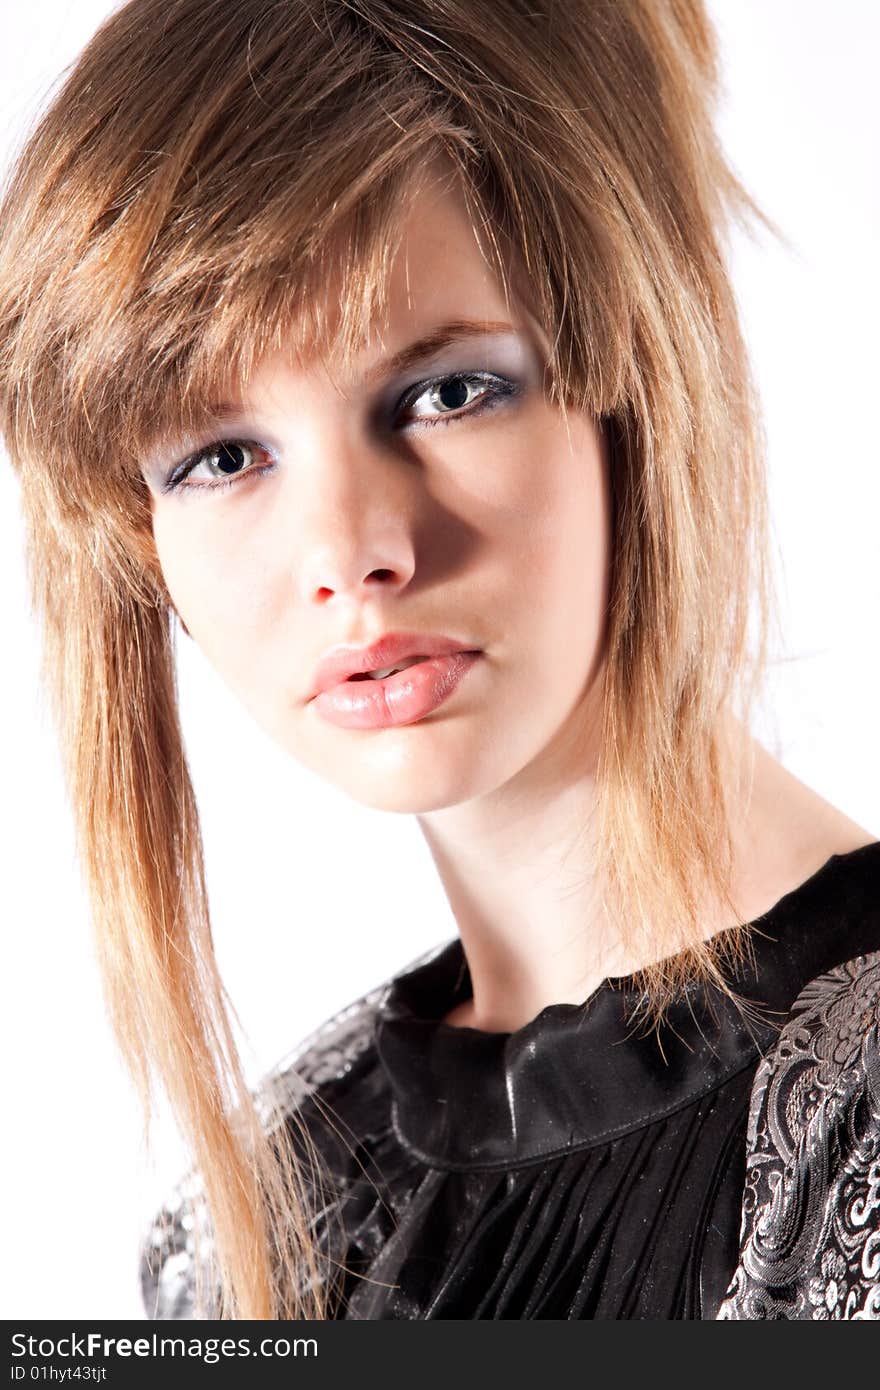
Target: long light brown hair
(203,173)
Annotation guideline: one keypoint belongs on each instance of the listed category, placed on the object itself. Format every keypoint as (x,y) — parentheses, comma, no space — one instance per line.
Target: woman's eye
(439,401)
(226,459)
(217,465)
(448,397)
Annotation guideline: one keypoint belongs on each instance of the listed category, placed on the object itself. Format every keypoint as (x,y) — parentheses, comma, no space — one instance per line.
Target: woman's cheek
(210,573)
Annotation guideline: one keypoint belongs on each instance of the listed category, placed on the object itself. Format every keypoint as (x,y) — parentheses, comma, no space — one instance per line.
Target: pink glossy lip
(401,698)
(341,663)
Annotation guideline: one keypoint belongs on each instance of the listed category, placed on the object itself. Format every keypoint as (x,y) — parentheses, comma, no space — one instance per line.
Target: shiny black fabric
(573,1168)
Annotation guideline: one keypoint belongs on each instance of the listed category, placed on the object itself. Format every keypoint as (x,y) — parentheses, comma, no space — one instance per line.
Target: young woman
(389,349)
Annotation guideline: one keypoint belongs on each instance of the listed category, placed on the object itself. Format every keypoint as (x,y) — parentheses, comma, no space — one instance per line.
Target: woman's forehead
(442,287)
(440,270)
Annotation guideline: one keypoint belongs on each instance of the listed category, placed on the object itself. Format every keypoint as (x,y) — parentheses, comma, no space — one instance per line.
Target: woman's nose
(358,529)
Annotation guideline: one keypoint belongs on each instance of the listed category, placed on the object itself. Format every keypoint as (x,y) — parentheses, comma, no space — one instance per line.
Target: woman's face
(441,494)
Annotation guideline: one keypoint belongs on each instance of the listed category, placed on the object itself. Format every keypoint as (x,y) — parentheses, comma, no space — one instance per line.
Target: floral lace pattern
(810,1234)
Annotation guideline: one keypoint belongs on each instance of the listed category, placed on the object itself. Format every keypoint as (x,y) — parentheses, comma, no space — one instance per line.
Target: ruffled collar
(580,1075)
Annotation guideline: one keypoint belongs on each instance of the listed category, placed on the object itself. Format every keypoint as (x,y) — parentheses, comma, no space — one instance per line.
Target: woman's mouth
(395,695)
(389,671)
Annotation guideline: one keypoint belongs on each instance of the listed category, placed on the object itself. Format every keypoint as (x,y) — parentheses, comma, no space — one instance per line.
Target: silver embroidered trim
(810,1226)
(810,1232)
(178,1247)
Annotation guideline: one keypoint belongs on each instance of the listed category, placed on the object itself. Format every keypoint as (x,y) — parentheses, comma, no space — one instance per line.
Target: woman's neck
(518,869)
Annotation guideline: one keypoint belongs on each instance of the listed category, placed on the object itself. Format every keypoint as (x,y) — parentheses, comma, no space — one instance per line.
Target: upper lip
(343,661)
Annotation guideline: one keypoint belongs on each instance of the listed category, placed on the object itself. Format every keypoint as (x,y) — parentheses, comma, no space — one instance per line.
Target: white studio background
(317,899)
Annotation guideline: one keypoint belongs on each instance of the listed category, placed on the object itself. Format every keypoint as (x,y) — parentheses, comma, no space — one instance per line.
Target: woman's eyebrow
(217,414)
(455,331)
(174,438)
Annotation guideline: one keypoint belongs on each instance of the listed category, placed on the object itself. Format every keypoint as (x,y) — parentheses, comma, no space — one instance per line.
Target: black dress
(581,1168)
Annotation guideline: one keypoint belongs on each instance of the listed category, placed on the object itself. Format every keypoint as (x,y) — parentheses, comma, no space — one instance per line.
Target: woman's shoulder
(311,1078)
(810,1231)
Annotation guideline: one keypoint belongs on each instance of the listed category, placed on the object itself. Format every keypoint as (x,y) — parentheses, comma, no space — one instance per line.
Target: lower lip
(399,699)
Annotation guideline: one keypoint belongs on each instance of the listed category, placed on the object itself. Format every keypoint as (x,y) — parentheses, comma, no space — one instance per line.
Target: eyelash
(498,389)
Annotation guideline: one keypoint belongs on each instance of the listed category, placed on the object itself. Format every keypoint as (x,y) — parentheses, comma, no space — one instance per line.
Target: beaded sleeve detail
(810,1233)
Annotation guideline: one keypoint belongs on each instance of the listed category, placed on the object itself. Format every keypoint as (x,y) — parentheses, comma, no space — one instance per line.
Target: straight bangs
(157,280)
(254,207)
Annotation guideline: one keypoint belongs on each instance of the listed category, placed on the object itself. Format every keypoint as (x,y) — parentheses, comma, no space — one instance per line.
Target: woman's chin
(408,770)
